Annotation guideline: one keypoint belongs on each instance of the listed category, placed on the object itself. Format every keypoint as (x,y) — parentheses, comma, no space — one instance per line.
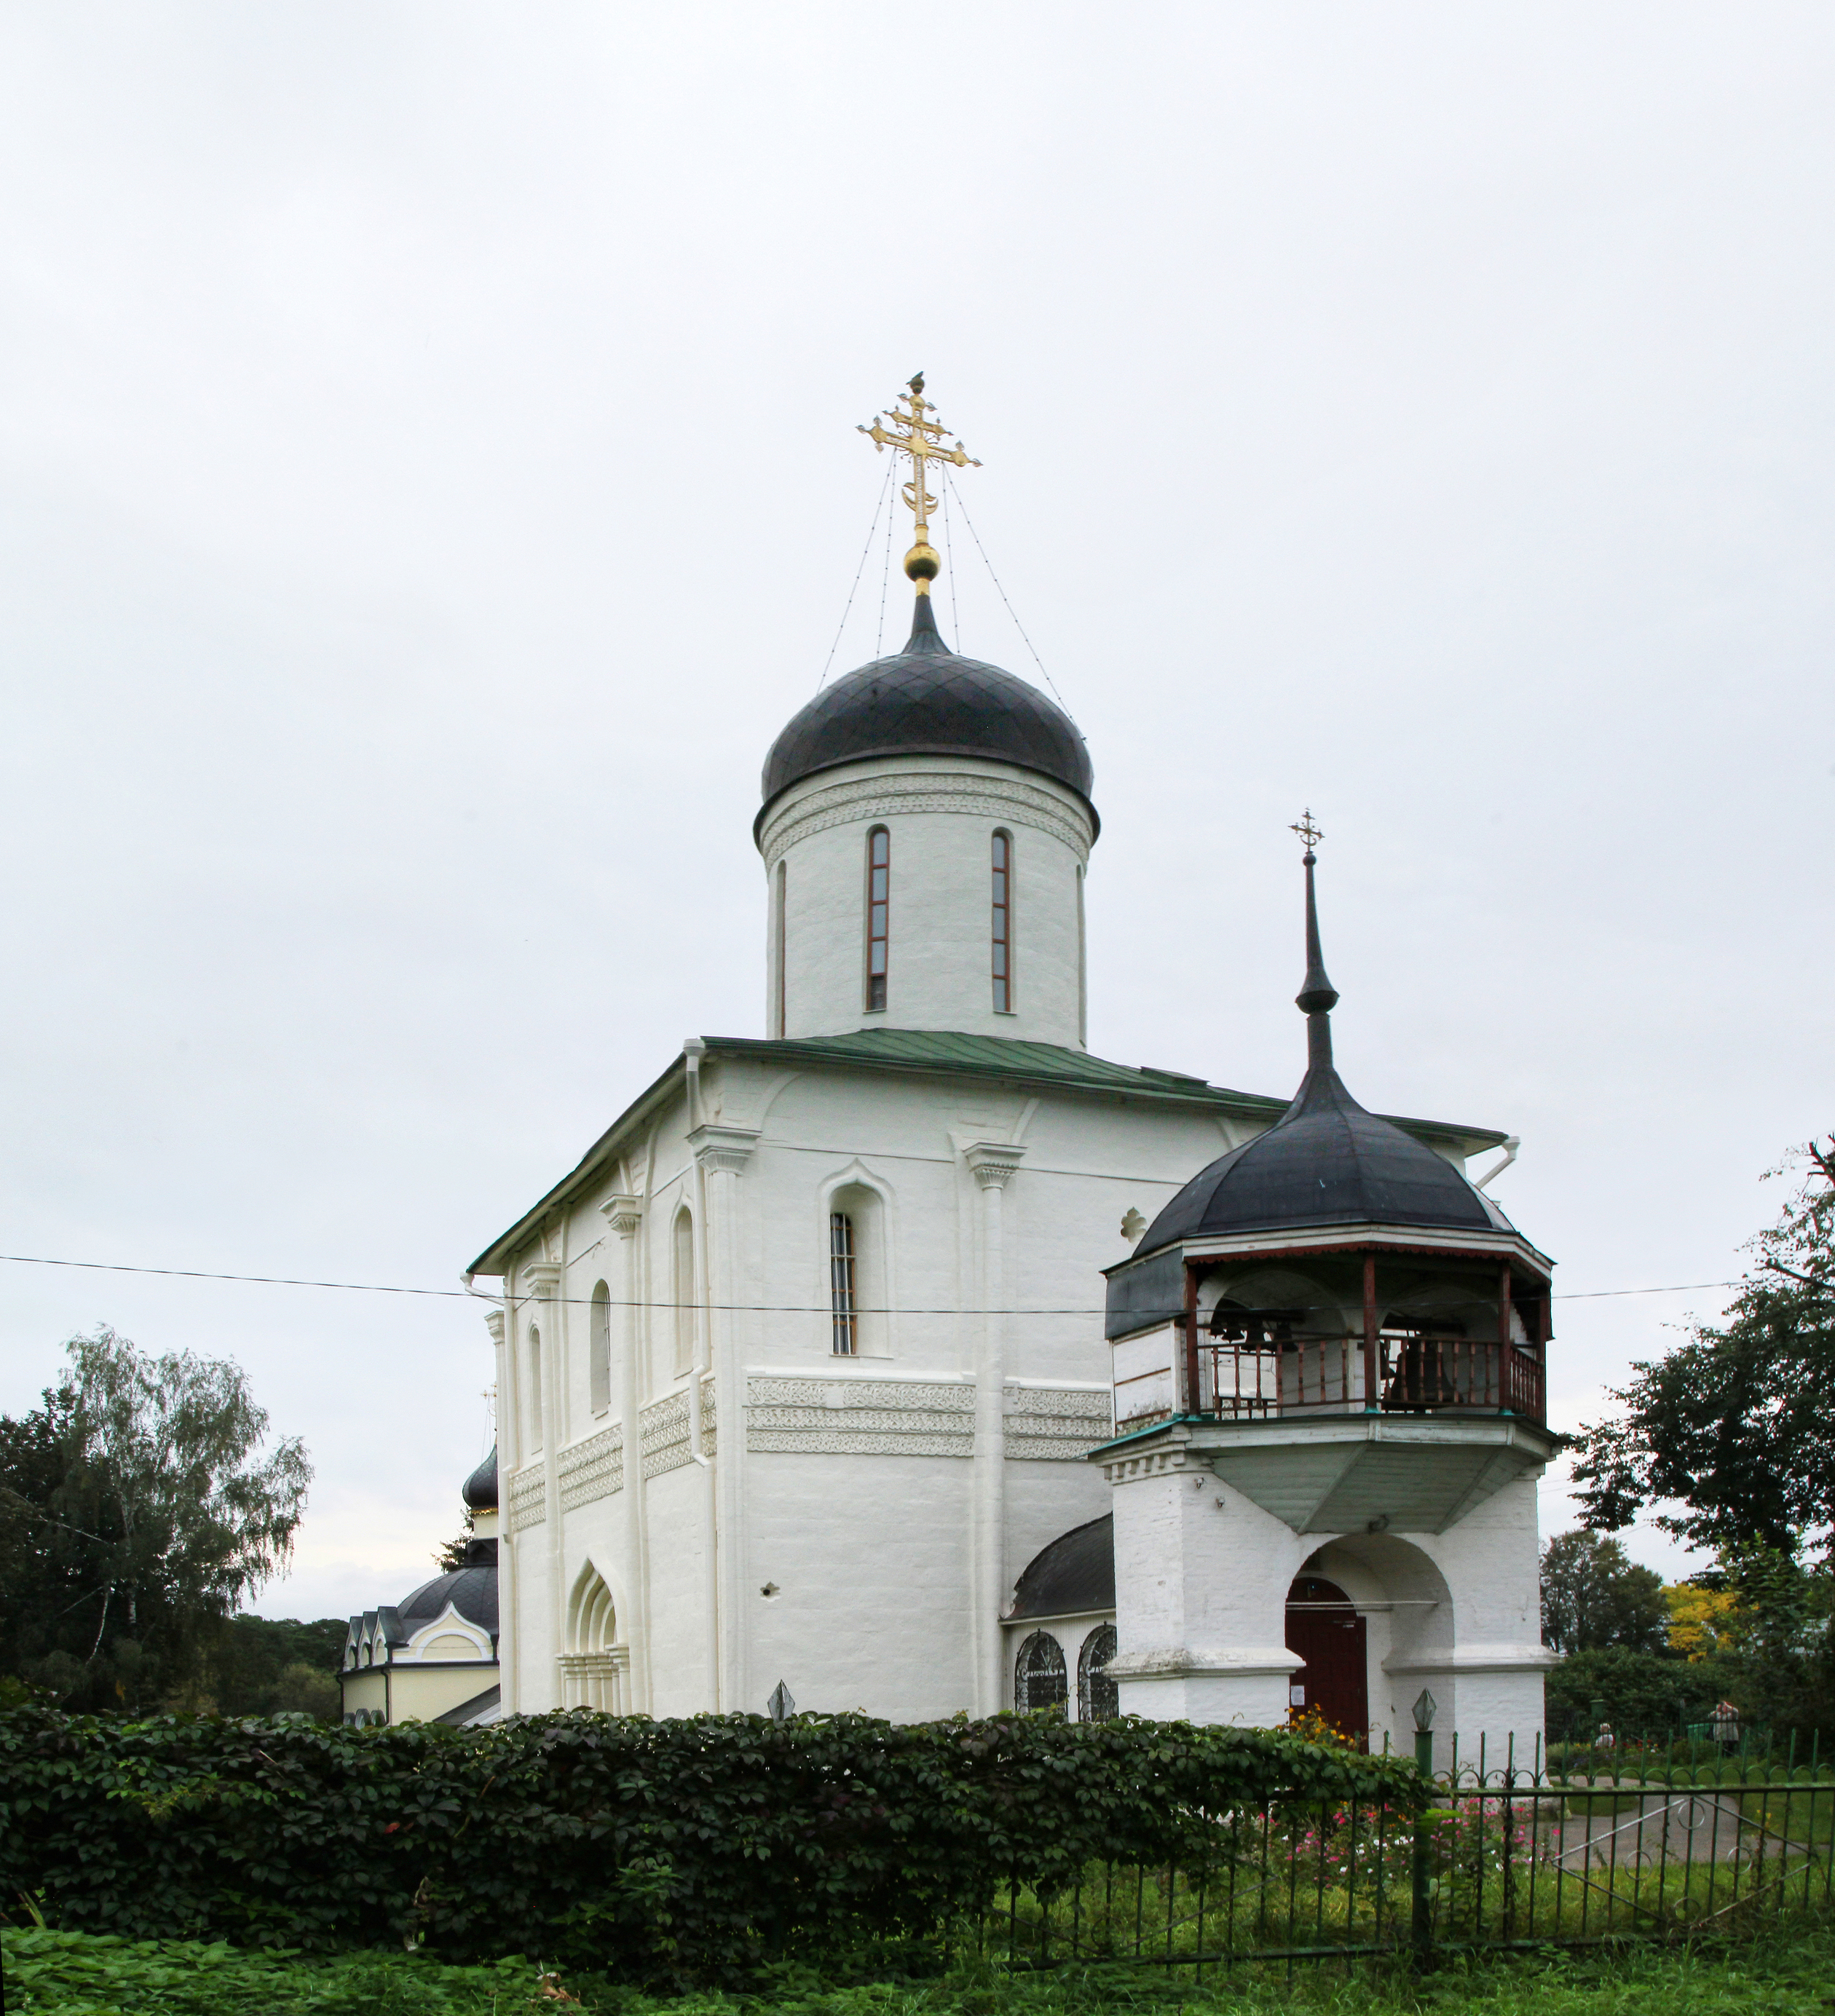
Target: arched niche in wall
(594,1667)
(599,1350)
(682,1293)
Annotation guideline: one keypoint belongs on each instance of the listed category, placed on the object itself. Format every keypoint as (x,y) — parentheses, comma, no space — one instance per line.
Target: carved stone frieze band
(663,1435)
(927,791)
(528,1500)
(916,1418)
(593,1469)
(859,1417)
(1056,1423)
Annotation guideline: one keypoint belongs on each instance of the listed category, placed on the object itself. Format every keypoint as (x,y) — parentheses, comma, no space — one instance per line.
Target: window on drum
(1003,924)
(878,910)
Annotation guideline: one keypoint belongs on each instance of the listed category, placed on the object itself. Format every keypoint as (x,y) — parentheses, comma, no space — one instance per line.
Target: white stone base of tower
(1203,1576)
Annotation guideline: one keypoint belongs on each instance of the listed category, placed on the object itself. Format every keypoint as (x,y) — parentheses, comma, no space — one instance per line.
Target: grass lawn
(67,1974)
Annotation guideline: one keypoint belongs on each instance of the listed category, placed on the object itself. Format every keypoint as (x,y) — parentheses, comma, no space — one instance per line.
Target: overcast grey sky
(430,481)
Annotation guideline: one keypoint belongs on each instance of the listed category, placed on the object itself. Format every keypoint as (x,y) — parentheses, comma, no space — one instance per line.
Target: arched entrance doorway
(1328,1634)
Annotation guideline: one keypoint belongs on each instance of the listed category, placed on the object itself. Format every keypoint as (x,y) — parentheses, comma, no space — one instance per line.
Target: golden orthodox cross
(909,433)
(1306,830)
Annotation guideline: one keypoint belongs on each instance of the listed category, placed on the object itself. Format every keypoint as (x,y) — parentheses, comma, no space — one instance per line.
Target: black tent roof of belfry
(1326,1160)
(928,700)
(1074,1574)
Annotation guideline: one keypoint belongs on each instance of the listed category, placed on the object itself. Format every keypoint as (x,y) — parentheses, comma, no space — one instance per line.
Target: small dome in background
(926,700)
(472,1591)
(479,1491)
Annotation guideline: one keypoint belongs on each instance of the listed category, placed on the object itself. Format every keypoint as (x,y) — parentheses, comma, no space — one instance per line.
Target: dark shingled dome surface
(480,1492)
(1074,1573)
(471,1591)
(927,701)
(1326,1161)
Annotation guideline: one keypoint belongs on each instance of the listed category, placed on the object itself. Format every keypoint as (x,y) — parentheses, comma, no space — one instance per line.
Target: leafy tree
(452,1555)
(1701,1620)
(1731,1434)
(136,1509)
(1593,1595)
(265,1665)
(1641,1693)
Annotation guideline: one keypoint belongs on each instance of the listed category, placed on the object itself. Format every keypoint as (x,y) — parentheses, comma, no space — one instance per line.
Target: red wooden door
(1326,1633)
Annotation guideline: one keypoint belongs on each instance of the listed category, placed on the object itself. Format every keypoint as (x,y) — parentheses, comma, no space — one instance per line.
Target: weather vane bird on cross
(909,433)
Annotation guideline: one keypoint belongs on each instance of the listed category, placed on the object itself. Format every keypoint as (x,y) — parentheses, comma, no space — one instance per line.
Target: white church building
(801,1374)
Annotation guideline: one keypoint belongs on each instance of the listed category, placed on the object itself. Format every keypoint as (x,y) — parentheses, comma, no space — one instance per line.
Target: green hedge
(658,1850)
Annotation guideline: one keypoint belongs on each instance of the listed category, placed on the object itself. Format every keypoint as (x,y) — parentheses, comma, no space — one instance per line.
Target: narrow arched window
(1098,1699)
(683,1295)
(1003,926)
(535,1387)
(599,1350)
(782,890)
(1039,1676)
(878,910)
(843,1284)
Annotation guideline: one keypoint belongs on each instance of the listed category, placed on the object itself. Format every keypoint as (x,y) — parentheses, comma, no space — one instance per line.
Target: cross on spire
(1307,831)
(906,431)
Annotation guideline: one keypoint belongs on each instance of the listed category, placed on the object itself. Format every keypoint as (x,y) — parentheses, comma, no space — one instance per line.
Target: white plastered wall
(941,814)
(869,1548)
(1202,1578)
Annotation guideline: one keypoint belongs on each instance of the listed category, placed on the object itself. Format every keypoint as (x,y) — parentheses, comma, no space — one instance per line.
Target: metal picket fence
(1636,1842)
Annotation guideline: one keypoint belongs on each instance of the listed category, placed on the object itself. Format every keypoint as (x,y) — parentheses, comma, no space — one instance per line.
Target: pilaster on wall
(624,1213)
(722,1155)
(541,1286)
(992,1164)
(1202,1575)
(507,1459)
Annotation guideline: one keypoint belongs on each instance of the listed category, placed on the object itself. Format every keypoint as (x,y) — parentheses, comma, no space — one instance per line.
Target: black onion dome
(927,701)
(1074,1573)
(470,1591)
(1326,1161)
(480,1492)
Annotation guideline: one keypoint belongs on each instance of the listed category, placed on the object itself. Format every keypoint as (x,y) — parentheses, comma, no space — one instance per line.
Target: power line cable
(885,578)
(858,571)
(763,1309)
(949,567)
(996,579)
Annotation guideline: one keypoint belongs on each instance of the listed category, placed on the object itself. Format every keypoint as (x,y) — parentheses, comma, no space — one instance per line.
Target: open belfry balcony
(1258,1367)
(1409,1417)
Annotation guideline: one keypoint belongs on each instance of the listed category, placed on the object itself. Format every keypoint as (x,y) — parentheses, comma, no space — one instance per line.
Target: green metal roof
(953,1053)
(995,1056)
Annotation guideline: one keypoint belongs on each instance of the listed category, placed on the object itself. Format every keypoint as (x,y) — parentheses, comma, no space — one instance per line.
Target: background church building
(801,1372)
